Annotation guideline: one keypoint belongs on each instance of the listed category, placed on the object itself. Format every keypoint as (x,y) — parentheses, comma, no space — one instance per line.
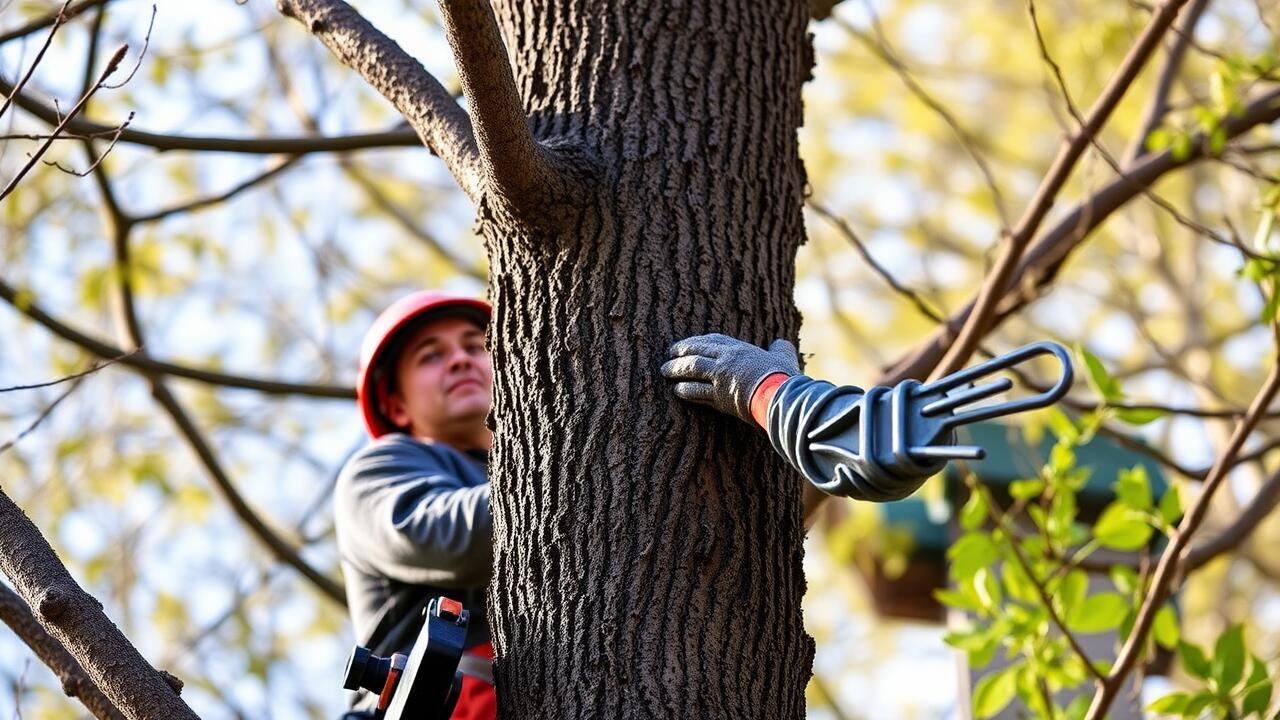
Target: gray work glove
(723,372)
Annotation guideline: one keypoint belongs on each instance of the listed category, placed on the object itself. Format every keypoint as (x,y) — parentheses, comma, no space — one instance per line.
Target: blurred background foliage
(915,111)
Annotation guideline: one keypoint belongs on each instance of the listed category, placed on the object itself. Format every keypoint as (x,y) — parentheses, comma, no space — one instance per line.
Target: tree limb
(1158,104)
(431,111)
(44,21)
(993,289)
(131,330)
(520,178)
(273,170)
(143,362)
(1173,555)
(1232,536)
(1046,256)
(75,683)
(75,619)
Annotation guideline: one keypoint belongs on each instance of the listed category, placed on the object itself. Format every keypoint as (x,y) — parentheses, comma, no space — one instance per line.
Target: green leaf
(1171,704)
(1071,592)
(974,550)
(1124,578)
(988,588)
(1194,660)
(1256,269)
(995,691)
(1217,140)
(1257,690)
(974,512)
(1171,505)
(1182,147)
(952,598)
(1102,382)
(1078,707)
(1228,658)
(1165,629)
(1017,584)
(1139,416)
(1062,427)
(1199,702)
(1133,487)
(1158,139)
(1122,528)
(1098,613)
(1026,489)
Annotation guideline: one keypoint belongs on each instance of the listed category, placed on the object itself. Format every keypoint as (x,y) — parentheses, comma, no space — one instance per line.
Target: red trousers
(478,701)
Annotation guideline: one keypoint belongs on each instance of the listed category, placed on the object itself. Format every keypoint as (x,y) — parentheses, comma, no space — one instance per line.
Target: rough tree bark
(647,555)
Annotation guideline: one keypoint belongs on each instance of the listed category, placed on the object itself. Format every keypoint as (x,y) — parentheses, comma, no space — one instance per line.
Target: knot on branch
(318,26)
(555,198)
(172,681)
(52,605)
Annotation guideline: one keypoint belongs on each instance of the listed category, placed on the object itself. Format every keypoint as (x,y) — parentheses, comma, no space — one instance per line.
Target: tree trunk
(648,553)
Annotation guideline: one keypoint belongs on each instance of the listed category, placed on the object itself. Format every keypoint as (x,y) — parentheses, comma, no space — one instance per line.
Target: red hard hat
(372,379)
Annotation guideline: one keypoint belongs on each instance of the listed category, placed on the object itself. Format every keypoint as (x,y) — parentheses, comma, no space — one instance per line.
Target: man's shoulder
(398,447)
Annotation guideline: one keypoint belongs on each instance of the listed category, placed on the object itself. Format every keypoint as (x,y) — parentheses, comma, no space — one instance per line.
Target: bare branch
(272,171)
(1167,567)
(143,362)
(59,20)
(278,546)
(111,68)
(1231,537)
(46,412)
(92,369)
(431,111)
(966,139)
(131,329)
(1158,103)
(998,280)
(75,619)
(1046,256)
(75,683)
(66,12)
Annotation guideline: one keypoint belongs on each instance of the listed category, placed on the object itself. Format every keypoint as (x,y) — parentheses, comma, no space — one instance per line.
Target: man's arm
(404,515)
(836,436)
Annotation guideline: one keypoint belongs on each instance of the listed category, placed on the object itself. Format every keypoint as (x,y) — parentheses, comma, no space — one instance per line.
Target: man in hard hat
(412,507)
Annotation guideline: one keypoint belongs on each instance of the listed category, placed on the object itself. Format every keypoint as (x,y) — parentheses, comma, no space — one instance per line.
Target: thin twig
(112,65)
(59,20)
(999,279)
(46,412)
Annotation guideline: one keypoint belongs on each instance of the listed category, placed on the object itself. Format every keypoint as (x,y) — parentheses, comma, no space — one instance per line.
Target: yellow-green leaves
(995,691)
(1122,528)
(1224,692)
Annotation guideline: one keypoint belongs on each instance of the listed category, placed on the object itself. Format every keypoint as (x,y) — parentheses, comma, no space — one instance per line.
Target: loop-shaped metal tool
(882,443)
(917,434)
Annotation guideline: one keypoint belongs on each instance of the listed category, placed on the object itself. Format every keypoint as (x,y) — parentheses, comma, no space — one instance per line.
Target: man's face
(444,380)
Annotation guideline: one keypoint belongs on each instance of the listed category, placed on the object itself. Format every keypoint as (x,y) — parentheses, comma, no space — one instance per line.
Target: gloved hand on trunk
(723,372)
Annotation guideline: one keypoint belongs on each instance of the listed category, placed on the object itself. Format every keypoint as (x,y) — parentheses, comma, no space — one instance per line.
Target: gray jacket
(413,522)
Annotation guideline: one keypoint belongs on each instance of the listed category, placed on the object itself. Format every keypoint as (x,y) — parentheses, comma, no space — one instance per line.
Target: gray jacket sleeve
(402,514)
(838,437)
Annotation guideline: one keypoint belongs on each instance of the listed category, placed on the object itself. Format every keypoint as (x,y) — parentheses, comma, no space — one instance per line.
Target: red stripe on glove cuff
(763,394)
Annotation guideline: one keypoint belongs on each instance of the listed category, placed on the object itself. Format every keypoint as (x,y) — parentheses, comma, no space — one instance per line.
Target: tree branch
(60,19)
(521,178)
(1162,580)
(1005,269)
(75,683)
(112,65)
(431,111)
(1232,536)
(75,619)
(273,170)
(1158,103)
(1046,256)
(131,330)
(397,136)
(143,362)
(66,13)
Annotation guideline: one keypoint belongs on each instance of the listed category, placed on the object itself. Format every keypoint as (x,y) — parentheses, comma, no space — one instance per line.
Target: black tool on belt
(423,685)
